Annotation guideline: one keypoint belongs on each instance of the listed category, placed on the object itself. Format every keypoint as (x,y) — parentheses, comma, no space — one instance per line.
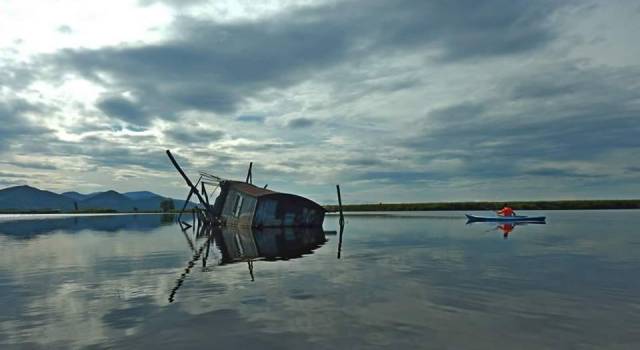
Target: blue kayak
(515,218)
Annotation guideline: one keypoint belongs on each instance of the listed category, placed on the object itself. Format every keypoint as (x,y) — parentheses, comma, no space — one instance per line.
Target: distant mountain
(26,198)
(108,200)
(141,195)
(77,196)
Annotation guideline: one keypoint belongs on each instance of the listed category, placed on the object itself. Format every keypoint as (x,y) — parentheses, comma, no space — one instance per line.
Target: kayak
(514,218)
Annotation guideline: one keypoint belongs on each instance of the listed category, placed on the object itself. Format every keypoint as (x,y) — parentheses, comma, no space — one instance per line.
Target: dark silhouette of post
(340,206)
(194,189)
(249,175)
(341,221)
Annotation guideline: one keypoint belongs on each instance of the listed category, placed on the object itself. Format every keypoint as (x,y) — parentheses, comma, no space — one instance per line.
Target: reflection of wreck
(237,244)
(281,243)
(242,204)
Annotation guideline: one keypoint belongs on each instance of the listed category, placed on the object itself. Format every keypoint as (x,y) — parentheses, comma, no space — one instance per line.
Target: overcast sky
(405,100)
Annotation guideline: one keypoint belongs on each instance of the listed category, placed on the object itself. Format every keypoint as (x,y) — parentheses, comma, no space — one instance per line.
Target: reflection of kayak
(515,218)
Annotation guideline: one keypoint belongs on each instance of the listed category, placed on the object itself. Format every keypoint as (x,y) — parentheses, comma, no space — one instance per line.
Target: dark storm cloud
(174,3)
(11,175)
(462,29)
(15,128)
(557,172)
(459,113)
(32,165)
(213,67)
(121,108)
(120,157)
(595,115)
(364,161)
(251,119)
(397,176)
(265,146)
(193,135)
(299,123)
(15,75)
(130,151)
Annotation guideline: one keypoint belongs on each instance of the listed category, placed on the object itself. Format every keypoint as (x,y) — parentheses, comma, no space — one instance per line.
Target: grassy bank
(517,205)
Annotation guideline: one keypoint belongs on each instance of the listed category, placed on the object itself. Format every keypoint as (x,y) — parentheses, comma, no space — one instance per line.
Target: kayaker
(506,211)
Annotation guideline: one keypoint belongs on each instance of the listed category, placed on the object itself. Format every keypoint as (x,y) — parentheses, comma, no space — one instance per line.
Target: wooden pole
(186,202)
(249,175)
(340,241)
(189,183)
(341,221)
(204,191)
(340,206)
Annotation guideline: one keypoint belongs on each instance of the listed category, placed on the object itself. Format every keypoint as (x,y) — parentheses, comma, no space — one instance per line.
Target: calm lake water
(420,280)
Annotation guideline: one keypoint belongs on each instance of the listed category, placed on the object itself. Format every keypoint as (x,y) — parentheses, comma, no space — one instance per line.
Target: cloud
(15,74)
(300,123)
(121,108)
(559,172)
(505,136)
(193,134)
(32,165)
(65,29)
(251,119)
(15,128)
(5,174)
(141,153)
(174,3)
(214,67)
(456,93)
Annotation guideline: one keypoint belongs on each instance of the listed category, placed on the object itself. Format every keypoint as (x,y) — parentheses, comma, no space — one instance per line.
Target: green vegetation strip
(517,205)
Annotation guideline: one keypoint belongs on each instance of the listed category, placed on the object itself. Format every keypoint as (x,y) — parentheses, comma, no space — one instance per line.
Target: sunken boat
(242,204)
(245,205)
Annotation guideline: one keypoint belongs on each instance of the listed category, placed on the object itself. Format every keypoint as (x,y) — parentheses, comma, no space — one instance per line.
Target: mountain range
(27,198)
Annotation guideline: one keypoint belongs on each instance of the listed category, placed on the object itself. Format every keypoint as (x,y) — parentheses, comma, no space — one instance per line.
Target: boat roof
(250,189)
(260,192)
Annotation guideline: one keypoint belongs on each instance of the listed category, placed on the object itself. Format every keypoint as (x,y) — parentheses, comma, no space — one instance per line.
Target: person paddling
(506,211)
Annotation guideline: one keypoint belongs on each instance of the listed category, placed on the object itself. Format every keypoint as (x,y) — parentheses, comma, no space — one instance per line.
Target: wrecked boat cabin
(242,204)
(245,205)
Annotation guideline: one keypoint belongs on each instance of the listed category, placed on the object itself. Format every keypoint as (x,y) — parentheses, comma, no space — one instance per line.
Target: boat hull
(516,218)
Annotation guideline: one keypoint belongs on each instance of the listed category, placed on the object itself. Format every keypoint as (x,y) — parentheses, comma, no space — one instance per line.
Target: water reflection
(230,245)
(30,228)
(407,281)
(506,228)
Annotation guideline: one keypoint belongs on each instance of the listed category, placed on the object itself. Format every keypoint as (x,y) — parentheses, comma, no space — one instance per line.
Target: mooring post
(340,241)
(340,206)
(341,221)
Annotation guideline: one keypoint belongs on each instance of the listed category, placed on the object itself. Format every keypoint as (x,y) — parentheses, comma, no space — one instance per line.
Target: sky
(396,101)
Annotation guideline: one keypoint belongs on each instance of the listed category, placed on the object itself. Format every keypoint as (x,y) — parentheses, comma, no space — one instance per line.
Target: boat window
(237,206)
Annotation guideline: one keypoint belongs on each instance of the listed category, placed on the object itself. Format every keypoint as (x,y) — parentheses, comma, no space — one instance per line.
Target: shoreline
(517,205)
(421,206)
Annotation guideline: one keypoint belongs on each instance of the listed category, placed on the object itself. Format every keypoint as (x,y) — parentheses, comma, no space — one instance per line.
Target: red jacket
(506,211)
